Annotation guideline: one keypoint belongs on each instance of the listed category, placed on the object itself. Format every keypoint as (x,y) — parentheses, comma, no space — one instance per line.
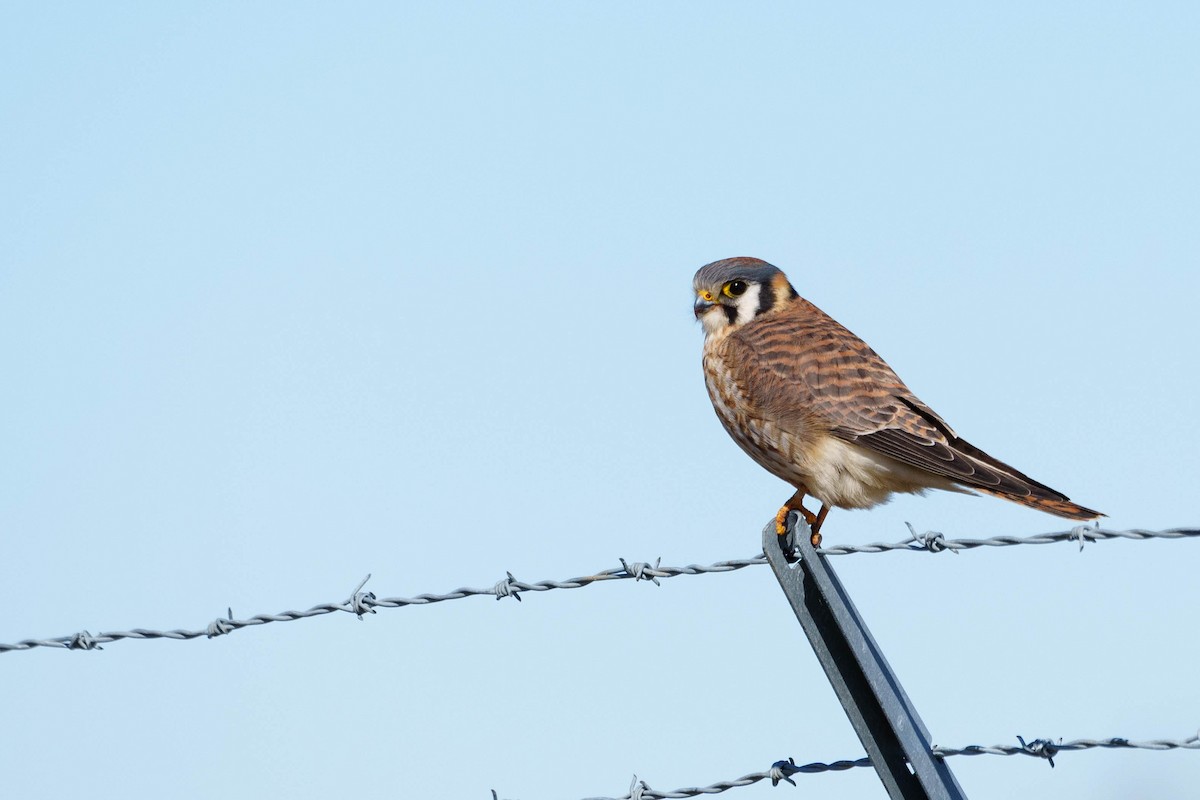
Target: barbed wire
(361,603)
(1048,749)
(784,770)
(935,542)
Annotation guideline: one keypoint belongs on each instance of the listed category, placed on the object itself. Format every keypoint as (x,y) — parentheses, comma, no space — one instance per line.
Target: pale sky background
(294,292)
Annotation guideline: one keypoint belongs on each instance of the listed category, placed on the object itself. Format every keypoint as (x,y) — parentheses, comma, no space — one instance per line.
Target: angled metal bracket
(885,720)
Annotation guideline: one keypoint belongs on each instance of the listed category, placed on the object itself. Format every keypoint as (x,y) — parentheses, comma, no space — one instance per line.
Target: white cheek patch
(714,320)
(747,304)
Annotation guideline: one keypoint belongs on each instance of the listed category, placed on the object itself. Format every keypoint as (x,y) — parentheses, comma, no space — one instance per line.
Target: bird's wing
(803,364)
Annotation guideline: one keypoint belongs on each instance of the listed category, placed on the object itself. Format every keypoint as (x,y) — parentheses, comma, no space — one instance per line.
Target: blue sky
(290,293)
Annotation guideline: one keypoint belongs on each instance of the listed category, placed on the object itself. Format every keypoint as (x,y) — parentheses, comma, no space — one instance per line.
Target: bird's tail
(1059,506)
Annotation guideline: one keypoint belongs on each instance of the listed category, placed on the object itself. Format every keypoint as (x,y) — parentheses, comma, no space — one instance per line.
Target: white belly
(848,475)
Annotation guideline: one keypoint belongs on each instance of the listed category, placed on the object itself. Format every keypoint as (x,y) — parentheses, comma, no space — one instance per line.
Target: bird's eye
(735,288)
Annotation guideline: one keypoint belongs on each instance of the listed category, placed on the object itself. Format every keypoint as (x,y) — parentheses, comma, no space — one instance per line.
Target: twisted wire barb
(779,771)
(360,603)
(784,770)
(1048,748)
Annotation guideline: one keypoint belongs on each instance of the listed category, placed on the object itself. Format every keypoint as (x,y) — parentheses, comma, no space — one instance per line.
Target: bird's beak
(704,301)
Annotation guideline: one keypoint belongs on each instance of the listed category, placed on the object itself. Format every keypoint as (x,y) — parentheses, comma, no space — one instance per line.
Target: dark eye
(735,288)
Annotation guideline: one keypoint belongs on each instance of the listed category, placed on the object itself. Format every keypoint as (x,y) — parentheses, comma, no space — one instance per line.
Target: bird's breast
(782,451)
(791,444)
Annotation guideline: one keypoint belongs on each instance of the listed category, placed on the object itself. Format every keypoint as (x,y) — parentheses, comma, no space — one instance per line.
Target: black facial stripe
(766,300)
(730,313)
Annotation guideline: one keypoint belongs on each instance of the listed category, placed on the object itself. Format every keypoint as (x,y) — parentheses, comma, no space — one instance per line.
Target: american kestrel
(813,404)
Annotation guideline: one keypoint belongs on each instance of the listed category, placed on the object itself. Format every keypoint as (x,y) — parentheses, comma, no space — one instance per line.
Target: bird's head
(734,291)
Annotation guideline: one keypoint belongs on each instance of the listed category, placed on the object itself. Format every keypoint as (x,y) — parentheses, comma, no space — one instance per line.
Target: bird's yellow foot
(815,525)
(781,521)
(781,518)
(796,503)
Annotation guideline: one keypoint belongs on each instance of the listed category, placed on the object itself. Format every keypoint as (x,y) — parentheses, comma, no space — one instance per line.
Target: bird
(813,404)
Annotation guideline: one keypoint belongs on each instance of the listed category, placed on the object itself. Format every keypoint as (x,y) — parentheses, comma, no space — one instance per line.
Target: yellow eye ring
(734,289)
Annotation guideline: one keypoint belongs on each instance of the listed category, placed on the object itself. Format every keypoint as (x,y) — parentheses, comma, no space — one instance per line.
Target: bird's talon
(781,519)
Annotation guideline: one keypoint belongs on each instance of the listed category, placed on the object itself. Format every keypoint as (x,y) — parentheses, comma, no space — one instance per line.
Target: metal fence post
(885,720)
